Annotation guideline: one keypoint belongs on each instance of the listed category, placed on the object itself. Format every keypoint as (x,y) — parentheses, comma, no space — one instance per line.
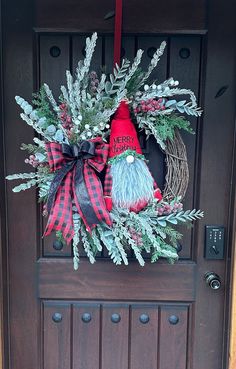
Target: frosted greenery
(84,111)
(157,235)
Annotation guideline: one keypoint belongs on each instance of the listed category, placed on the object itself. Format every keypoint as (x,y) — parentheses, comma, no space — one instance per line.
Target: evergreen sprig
(180,217)
(41,103)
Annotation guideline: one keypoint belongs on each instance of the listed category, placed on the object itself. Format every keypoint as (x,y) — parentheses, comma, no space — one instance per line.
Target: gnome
(128,182)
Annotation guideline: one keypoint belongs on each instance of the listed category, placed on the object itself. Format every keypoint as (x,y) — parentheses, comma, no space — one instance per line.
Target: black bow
(75,154)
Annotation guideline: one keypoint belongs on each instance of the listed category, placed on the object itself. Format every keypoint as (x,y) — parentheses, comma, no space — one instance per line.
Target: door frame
(231,331)
(3,251)
(214,9)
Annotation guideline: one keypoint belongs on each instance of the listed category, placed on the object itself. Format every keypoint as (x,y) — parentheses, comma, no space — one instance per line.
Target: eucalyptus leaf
(170,103)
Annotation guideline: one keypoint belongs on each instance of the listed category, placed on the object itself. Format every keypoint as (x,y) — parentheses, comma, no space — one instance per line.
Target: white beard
(132,183)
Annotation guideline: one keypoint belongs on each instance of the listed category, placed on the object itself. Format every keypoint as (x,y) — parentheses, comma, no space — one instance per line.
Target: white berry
(86,126)
(159,87)
(146,87)
(89,134)
(79,117)
(95,129)
(154,86)
(176,83)
(107,126)
(130,159)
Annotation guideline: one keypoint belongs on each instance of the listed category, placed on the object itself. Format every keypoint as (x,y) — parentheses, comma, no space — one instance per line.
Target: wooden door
(103,316)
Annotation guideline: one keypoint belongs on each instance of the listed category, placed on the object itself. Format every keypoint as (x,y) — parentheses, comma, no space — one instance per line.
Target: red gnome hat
(128,183)
(123,133)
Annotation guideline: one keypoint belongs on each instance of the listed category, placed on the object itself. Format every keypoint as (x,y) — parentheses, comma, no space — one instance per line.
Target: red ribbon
(76,182)
(118,27)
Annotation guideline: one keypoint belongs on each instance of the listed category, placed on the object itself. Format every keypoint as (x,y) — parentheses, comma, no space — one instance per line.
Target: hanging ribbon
(75,182)
(118,28)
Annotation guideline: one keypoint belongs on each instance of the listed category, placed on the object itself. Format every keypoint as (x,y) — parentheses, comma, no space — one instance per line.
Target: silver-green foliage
(157,235)
(90,113)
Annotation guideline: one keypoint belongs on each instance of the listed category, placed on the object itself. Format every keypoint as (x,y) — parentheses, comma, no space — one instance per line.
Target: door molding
(232,351)
(3,258)
(231,347)
(3,230)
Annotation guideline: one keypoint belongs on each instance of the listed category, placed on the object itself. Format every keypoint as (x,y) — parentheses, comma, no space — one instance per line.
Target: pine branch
(51,98)
(154,61)
(108,240)
(25,186)
(181,216)
(86,244)
(31,123)
(31,175)
(76,240)
(117,80)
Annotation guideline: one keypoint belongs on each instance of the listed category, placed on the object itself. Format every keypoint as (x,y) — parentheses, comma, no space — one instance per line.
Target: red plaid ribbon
(76,182)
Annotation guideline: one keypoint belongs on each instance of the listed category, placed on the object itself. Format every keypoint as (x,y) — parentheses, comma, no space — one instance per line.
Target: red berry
(62,106)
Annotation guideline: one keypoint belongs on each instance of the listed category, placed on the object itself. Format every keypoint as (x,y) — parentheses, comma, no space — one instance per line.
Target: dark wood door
(104,316)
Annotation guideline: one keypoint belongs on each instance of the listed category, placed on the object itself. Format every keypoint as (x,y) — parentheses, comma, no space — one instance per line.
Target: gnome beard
(132,183)
(128,183)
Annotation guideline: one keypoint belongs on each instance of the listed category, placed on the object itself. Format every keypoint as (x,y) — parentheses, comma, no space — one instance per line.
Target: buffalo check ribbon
(76,184)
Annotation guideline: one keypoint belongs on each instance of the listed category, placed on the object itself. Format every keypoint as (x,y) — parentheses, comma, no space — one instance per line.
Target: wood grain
(53,278)
(86,336)
(114,336)
(187,71)
(54,65)
(139,16)
(2,207)
(56,336)
(232,353)
(21,244)
(214,178)
(173,336)
(103,280)
(144,337)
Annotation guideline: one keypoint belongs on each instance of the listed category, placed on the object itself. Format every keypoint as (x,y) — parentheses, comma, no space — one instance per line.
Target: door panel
(56,279)
(105,316)
(56,335)
(185,66)
(54,61)
(174,335)
(111,335)
(87,17)
(144,336)
(86,335)
(114,336)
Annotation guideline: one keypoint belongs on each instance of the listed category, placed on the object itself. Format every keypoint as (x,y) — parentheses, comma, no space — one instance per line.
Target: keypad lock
(214,242)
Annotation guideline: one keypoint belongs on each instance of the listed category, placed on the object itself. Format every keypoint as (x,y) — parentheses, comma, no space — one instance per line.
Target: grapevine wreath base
(92,129)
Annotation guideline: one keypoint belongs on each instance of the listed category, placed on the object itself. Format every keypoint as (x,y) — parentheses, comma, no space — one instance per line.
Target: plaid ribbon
(108,181)
(76,182)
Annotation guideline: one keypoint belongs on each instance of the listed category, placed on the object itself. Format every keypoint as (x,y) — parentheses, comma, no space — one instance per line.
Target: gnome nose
(122,111)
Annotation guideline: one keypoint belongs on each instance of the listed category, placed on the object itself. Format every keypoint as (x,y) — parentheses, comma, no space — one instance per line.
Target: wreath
(92,129)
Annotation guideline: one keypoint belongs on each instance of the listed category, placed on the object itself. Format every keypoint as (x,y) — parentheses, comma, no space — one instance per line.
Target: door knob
(213,280)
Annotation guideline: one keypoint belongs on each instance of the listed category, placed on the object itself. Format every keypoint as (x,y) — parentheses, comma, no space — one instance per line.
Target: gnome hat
(128,182)
(123,133)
